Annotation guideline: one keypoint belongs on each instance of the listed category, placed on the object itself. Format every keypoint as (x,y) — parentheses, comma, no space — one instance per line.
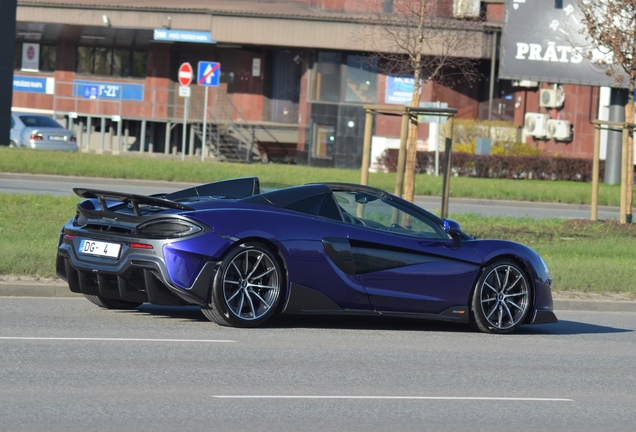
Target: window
(359,74)
(362,80)
(39,121)
(47,58)
(327,83)
(359,208)
(116,62)
(324,140)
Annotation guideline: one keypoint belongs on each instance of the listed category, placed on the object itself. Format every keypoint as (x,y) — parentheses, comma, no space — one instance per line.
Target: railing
(84,98)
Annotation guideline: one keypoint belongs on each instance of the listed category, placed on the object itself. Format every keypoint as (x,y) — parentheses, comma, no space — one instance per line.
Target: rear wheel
(247,287)
(12,144)
(501,299)
(111,303)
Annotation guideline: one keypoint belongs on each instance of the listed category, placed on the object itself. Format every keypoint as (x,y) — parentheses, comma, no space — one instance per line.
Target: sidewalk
(61,290)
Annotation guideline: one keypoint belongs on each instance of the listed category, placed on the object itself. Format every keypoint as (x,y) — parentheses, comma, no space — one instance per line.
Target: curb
(57,290)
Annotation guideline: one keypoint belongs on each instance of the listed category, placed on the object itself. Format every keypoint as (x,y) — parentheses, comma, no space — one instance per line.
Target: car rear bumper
(138,277)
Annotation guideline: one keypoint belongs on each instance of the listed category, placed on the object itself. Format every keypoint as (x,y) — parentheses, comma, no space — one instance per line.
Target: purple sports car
(243,255)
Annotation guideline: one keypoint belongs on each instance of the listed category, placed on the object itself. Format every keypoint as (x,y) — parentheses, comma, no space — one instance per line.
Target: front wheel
(246,288)
(501,299)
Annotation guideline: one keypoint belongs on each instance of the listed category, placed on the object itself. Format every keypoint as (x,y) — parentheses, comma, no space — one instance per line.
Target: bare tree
(420,39)
(610,28)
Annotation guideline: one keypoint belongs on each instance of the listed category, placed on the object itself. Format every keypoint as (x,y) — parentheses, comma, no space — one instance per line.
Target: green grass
(159,167)
(29,230)
(582,256)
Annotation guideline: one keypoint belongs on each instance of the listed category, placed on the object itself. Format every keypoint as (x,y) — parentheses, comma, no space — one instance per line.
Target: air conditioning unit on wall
(560,130)
(536,125)
(551,98)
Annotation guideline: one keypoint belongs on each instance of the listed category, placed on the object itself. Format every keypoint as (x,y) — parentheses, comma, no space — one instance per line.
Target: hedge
(497,166)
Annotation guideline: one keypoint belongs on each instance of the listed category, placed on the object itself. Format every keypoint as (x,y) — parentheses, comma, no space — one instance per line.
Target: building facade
(294,77)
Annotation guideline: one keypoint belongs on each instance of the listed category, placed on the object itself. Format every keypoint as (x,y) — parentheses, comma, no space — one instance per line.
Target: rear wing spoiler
(133,199)
(228,189)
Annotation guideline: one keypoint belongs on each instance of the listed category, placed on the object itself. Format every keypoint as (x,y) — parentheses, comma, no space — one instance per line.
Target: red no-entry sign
(185,74)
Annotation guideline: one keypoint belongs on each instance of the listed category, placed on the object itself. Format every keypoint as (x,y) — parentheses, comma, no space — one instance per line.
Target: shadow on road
(194,314)
(570,328)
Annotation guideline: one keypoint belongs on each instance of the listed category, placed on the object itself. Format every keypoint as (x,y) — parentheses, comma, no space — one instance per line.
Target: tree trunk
(411,149)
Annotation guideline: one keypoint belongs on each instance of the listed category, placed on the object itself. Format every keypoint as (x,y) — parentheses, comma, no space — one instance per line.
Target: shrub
(498,166)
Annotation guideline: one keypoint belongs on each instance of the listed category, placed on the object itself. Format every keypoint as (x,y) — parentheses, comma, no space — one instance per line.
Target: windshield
(39,121)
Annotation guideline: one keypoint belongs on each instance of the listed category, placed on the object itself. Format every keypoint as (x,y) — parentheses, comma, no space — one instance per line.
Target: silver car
(40,132)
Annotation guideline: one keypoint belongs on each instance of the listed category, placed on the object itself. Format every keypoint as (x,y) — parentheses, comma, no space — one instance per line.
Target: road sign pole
(205,122)
(186,101)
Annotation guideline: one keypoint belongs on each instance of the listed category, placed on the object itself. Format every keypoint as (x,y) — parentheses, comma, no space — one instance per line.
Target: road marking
(459,398)
(116,339)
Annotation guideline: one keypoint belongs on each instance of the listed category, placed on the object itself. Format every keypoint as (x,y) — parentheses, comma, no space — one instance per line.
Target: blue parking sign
(91,91)
(209,74)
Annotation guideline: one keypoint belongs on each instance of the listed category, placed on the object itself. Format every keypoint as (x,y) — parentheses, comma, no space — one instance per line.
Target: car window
(39,121)
(377,213)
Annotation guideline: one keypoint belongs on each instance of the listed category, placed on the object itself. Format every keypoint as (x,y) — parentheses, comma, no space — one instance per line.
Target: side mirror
(453,229)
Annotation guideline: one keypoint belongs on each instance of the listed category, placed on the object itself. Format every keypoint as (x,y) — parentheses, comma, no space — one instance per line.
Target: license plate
(57,138)
(92,247)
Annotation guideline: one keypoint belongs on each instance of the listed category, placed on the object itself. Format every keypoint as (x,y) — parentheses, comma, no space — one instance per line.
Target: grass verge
(582,255)
(193,170)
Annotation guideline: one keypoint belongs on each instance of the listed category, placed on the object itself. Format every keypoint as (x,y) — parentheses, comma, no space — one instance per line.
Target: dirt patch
(607,225)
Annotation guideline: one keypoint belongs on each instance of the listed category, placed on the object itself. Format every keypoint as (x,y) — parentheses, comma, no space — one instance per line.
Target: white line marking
(116,339)
(399,398)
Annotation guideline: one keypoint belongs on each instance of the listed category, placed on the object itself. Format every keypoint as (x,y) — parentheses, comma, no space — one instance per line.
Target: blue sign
(399,89)
(209,74)
(32,84)
(108,90)
(183,36)
(91,91)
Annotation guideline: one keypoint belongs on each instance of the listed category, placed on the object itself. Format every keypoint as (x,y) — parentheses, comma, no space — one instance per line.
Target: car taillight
(36,137)
(72,138)
(168,228)
(140,245)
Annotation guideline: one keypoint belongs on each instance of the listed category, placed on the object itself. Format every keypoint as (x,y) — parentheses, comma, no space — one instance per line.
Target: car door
(404,259)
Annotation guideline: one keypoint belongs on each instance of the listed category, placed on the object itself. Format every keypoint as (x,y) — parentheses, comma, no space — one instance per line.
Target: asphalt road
(67,365)
(59,185)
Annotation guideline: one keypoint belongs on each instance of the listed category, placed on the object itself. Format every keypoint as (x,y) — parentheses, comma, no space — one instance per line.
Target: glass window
(47,58)
(84,60)
(39,121)
(362,80)
(139,60)
(324,140)
(117,62)
(327,82)
(121,62)
(103,61)
(377,213)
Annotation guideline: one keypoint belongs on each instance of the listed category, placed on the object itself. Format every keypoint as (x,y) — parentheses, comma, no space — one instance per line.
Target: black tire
(111,303)
(501,299)
(247,288)
(12,144)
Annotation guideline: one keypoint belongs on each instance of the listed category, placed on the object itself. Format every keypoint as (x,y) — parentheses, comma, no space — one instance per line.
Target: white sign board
(30,57)
(184,91)
(256,67)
